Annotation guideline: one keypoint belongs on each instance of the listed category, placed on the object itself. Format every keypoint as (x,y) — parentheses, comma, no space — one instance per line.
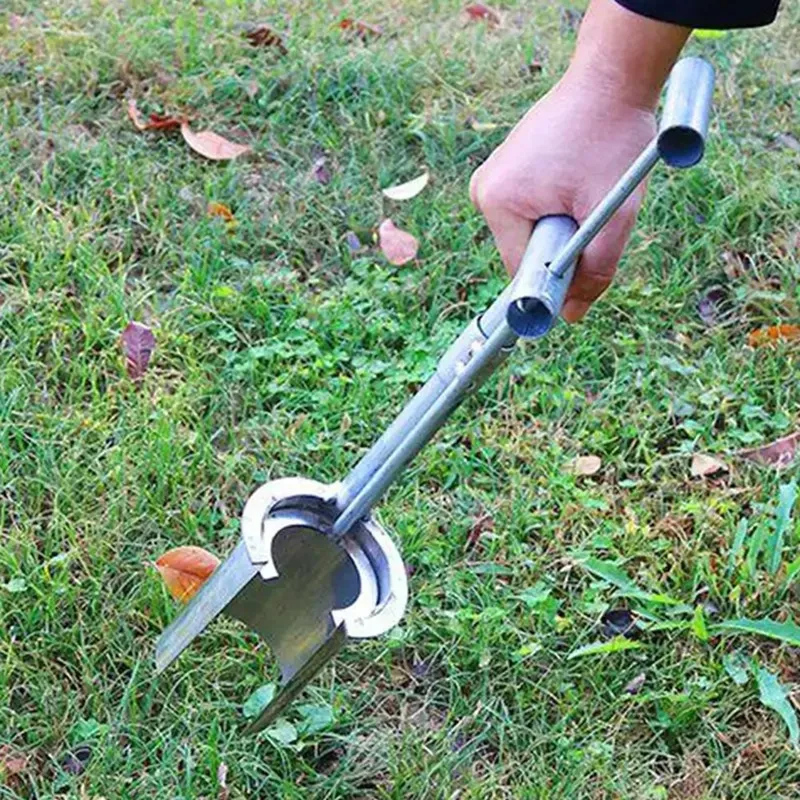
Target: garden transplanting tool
(313,567)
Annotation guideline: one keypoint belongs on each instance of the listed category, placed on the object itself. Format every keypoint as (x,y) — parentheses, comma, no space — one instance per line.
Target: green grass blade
(699,627)
(788,632)
(783,516)
(738,544)
(617,644)
(616,576)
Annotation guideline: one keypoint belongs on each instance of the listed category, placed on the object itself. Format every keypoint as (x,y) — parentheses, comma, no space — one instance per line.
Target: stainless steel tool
(313,567)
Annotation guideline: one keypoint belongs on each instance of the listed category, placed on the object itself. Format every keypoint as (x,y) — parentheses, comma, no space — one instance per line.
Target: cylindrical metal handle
(687,112)
(537,294)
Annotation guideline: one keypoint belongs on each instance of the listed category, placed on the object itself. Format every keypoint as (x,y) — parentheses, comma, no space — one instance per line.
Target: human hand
(576,142)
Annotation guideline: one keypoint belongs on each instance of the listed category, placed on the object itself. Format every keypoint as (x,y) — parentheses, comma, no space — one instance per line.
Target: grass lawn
(280,352)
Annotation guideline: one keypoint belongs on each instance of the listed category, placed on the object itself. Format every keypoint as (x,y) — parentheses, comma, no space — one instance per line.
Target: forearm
(625,54)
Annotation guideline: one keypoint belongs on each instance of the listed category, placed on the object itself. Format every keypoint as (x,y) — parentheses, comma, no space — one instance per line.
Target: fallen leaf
(138,344)
(773,333)
(212,145)
(397,245)
(585,465)
(220,210)
(409,189)
(161,122)
(779,453)
(185,570)
(135,116)
(734,264)
(635,685)
(788,141)
(710,305)
(222,781)
(705,466)
(481,127)
(12,764)
(157,122)
(479,11)
(15,21)
(259,700)
(364,30)
(320,172)
(481,525)
(264,36)
(76,761)
(353,242)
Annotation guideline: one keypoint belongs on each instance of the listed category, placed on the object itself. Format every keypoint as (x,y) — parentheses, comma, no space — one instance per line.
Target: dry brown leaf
(135,116)
(479,11)
(156,122)
(635,684)
(265,36)
(409,189)
(364,30)
(220,210)
(483,524)
(780,453)
(773,333)
(585,465)
(481,127)
(138,343)
(705,466)
(12,764)
(211,145)
(397,245)
(185,570)
(320,172)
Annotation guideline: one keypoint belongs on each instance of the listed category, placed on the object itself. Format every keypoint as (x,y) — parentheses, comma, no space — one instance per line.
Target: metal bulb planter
(314,568)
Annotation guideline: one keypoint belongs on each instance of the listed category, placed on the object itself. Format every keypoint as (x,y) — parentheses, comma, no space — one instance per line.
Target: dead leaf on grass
(705,466)
(185,569)
(397,245)
(211,145)
(734,263)
(585,465)
(772,334)
(156,122)
(636,684)
(409,189)
(482,12)
(780,453)
(483,524)
(263,35)
(138,343)
(363,30)
(12,764)
(481,127)
(220,210)
(222,781)
(320,172)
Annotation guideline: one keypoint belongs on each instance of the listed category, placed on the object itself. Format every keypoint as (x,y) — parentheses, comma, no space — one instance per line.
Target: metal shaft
(483,361)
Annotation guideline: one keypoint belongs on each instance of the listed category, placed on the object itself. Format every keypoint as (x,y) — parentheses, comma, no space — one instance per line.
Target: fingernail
(574,310)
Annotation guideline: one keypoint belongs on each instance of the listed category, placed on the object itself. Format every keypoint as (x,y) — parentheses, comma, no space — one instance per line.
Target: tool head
(291,582)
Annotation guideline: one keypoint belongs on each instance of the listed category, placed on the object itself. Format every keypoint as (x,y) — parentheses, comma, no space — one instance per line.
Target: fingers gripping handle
(537,294)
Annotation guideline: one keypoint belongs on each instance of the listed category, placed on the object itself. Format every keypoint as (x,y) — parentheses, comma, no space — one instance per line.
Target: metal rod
(620,192)
(483,361)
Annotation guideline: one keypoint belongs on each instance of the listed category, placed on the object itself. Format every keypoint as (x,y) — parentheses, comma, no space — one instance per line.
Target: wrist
(624,56)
